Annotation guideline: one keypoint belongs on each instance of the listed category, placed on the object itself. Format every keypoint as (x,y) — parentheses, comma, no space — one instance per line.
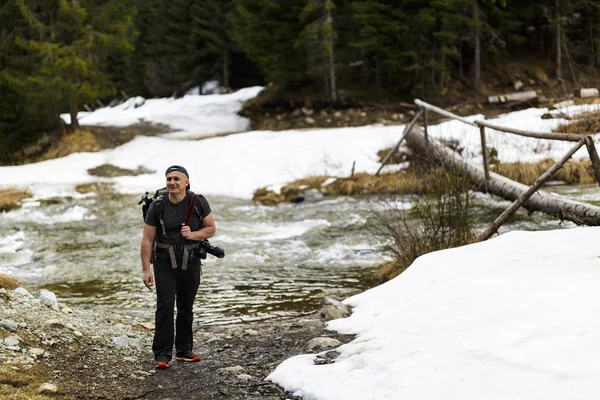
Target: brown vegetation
(80,141)
(110,171)
(23,384)
(573,172)
(410,181)
(10,198)
(8,282)
(95,187)
(585,124)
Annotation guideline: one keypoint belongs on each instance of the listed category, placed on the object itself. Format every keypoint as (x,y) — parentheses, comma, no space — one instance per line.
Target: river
(280,261)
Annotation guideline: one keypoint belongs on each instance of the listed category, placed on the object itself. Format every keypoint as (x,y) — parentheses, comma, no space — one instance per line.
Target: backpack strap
(192,209)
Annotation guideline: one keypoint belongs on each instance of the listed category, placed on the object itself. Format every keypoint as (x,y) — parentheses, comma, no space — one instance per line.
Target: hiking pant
(174,285)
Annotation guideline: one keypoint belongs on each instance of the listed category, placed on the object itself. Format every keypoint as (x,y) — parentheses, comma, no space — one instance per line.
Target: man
(177,267)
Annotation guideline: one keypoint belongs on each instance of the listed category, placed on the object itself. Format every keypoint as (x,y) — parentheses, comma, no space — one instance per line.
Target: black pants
(172,284)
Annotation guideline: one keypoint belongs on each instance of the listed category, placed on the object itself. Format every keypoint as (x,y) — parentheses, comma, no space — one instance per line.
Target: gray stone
(310,120)
(55,323)
(251,332)
(12,341)
(9,325)
(233,370)
(47,388)
(124,341)
(245,377)
(323,343)
(312,195)
(130,359)
(66,310)
(48,298)
(334,309)
(36,351)
(21,292)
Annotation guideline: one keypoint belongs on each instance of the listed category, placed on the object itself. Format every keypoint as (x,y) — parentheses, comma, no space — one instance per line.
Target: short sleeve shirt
(174,217)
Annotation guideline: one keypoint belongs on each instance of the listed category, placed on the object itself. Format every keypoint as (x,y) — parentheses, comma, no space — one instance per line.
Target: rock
(12,341)
(66,310)
(147,325)
(55,323)
(296,113)
(518,85)
(334,309)
(71,327)
(77,333)
(307,111)
(9,325)
(21,292)
(48,298)
(327,358)
(322,343)
(564,104)
(312,195)
(130,359)
(47,388)
(36,351)
(124,341)
(233,370)
(250,332)
(337,114)
(245,377)
(309,120)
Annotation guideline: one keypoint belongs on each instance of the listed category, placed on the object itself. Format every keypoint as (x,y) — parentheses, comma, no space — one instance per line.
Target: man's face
(176,182)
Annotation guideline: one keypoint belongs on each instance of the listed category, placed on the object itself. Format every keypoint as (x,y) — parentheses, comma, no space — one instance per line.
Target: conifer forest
(58,55)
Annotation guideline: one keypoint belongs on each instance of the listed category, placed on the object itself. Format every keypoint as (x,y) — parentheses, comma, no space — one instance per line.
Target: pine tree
(211,45)
(267,31)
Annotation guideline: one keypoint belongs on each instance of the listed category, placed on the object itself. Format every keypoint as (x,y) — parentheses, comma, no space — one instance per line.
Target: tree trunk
(330,48)
(477,44)
(558,43)
(226,62)
(73,110)
(557,206)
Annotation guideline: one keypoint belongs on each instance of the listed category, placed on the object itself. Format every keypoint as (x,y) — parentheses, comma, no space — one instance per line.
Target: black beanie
(177,168)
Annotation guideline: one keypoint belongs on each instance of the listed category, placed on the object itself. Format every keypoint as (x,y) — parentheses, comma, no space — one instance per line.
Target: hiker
(177,266)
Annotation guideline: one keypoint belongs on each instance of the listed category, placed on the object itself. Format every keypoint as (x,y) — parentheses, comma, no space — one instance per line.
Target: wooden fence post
(425,123)
(406,130)
(484,153)
(493,228)
(591,148)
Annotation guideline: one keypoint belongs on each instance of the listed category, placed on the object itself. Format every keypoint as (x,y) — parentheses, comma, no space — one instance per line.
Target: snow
(191,116)
(511,318)
(237,165)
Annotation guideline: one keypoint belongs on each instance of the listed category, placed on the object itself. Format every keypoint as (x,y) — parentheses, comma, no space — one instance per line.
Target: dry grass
(95,187)
(390,270)
(8,282)
(10,198)
(110,171)
(23,384)
(411,181)
(80,141)
(585,124)
(573,172)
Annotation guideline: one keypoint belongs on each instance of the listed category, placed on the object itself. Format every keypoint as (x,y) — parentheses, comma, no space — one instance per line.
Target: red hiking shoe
(188,357)
(162,363)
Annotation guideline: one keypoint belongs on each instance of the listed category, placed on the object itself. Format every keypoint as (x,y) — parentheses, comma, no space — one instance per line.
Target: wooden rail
(525,195)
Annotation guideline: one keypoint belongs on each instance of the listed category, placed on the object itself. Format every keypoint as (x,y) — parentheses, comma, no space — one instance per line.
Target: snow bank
(515,317)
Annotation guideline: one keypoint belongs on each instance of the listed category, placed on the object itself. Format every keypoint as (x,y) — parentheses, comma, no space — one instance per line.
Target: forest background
(58,55)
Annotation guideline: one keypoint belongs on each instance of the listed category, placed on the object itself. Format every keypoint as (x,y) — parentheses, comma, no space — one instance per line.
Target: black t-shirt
(174,217)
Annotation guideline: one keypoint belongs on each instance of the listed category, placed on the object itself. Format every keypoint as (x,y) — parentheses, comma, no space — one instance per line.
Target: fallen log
(508,97)
(554,205)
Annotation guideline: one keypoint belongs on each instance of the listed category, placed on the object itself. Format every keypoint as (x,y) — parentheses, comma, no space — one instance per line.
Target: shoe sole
(161,365)
(195,359)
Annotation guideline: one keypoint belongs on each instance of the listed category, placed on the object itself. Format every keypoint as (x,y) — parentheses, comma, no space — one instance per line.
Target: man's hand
(186,232)
(148,279)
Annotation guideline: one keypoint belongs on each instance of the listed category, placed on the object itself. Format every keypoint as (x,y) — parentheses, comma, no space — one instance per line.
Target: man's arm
(209,229)
(145,252)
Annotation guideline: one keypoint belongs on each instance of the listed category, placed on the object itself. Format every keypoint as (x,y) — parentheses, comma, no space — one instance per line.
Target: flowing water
(280,261)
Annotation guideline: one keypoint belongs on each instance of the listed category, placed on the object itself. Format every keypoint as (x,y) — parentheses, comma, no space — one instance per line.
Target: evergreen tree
(211,45)
(267,31)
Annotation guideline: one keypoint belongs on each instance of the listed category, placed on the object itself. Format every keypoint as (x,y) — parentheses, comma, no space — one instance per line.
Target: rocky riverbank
(86,353)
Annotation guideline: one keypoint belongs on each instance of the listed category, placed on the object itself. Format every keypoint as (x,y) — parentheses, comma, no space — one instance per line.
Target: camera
(205,248)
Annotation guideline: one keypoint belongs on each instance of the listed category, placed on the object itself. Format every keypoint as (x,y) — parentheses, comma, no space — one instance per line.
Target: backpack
(159,209)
